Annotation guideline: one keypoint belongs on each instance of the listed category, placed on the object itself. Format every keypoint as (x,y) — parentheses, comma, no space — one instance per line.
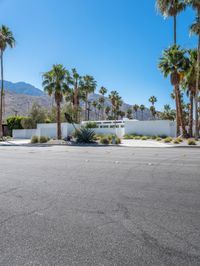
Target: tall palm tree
(54,83)
(75,80)
(107,111)
(6,39)
(116,102)
(172,8)
(189,84)
(129,113)
(135,109)
(88,86)
(153,100)
(195,28)
(94,104)
(142,108)
(103,91)
(102,102)
(173,63)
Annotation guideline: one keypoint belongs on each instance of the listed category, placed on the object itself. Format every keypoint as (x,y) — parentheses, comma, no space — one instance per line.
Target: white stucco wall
(48,130)
(151,128)
(24,133)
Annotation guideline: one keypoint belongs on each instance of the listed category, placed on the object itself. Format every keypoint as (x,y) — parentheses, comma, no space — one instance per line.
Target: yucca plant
(85,135)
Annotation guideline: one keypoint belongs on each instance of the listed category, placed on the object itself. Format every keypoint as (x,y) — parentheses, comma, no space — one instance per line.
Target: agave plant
(85,135)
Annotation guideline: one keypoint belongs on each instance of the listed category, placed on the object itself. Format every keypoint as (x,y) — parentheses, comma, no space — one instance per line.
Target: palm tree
(88,86)
(189,84)
(142,108)
(54,83)
(6,39)
(94,104)
(153,111)
(102,102)
(173,63)
(107,111)
(99,106)
(75,80)
(135,109)
(171,8)
(103,91)
(152,100)
(195,28)
(116,102)
(129,113)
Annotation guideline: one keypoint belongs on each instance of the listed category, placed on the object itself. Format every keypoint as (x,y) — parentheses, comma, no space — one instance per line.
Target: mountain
(23,88)
(20,96)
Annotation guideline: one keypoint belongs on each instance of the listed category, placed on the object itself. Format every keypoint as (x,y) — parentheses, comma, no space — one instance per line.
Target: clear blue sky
(117,41)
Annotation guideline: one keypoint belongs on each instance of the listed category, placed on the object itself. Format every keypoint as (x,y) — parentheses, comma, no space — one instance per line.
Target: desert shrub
(47,121)
(168,140)
(117,141)
(191,142)
(98,137)
(127,136)
(105,141)
(158,139)
(137,137)
(34,139)
(43,139)
(144,138)
(91,125)
(176,141)
(28,123)
(180,139)
(163,136)
(14,122)
(85,135)
(153,137)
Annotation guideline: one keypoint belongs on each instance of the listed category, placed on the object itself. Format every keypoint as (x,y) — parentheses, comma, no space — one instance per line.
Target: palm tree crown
(55,83)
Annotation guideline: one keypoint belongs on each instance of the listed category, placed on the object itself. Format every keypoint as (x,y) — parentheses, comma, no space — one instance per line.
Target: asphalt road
(99,206)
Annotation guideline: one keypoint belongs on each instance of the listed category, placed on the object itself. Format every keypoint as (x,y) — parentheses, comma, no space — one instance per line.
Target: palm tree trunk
(142,115)
(86,106)
(197,87)
(191,115)
(59,134)
(175,29)
(177,112)
(1,97)
(180,111)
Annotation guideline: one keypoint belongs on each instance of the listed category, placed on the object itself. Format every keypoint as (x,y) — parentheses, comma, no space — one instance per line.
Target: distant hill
(20,96)
(23,88)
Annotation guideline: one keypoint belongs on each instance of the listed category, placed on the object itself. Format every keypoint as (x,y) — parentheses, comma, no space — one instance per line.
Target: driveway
(99,206)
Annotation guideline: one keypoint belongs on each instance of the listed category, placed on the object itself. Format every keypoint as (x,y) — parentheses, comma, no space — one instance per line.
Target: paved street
(99,206)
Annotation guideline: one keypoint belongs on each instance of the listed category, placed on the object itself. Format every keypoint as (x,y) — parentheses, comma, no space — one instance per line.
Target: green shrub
(176,141)
(191,142)
(105,141)
(128,136)
(153,137)
(144,138)
(117,141)
(163,136)
(85,135)
(180,139)
(28,123)
(34,139)
(91,125)
(43,139)
(168,140)
(14,122)
(137,137)
(47,121)
(158,139)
